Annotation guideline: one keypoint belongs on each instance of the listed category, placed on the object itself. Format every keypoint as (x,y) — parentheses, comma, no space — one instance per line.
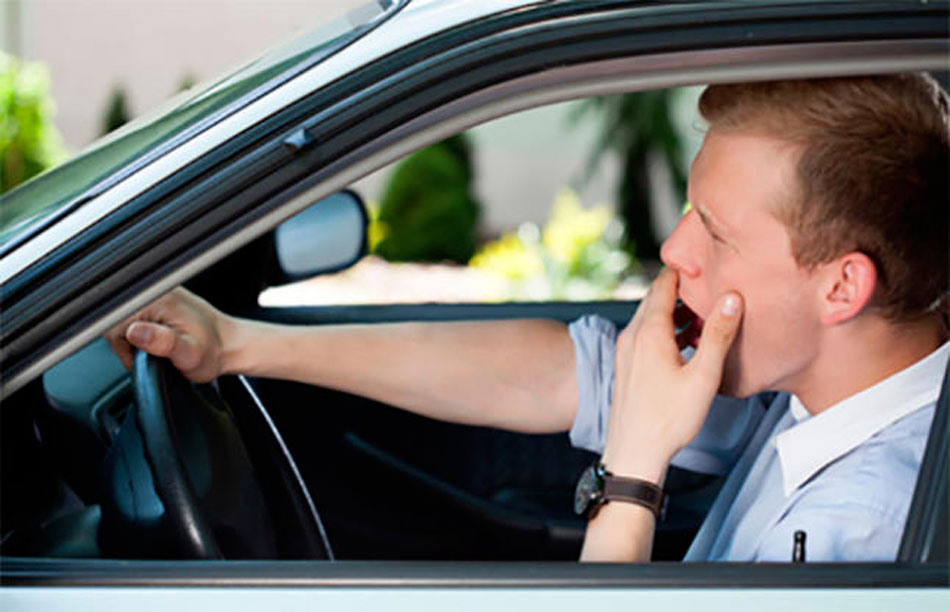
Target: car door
(415,96)
(441,470)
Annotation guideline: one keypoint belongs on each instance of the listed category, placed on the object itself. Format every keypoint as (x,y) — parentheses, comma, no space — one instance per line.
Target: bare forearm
(516,375)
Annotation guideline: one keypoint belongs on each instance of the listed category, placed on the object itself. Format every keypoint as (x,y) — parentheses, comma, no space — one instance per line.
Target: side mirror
(328,236)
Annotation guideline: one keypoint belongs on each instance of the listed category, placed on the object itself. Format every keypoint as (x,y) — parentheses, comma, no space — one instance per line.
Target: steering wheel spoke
(191,475)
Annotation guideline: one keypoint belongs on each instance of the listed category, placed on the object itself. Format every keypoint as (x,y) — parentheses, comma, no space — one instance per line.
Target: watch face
(589,489)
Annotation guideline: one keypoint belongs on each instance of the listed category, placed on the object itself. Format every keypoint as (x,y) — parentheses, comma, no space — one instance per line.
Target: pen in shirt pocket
(798,547)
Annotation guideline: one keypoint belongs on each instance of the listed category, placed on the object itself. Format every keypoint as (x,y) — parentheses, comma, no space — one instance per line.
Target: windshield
(28,207)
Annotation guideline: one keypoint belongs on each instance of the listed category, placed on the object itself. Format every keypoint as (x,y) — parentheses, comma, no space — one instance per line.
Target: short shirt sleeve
(725,433)
(595,341)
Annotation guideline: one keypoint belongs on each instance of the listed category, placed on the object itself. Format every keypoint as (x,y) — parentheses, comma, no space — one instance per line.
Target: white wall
(149,46)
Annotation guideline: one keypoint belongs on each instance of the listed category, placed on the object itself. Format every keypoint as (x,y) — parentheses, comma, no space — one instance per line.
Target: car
(122,487)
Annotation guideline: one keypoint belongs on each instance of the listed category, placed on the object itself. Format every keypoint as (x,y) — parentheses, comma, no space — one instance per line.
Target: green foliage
(187,82)
(375,229)
(641,129)
(117,111)
(577,255)
(427,211)
(29,142)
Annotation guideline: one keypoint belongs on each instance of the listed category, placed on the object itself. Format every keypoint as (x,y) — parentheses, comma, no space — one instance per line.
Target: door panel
(391,484)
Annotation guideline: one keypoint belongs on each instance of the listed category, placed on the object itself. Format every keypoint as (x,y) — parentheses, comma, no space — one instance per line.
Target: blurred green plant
(427,211)
(576,256)
(187,82)
(29,141)
(641,129)
(375,229)
(117,110)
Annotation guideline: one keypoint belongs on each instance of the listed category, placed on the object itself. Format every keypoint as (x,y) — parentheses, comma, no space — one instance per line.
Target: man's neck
(861,354)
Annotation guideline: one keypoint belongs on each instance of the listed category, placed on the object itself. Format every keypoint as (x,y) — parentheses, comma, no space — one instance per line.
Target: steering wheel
(192,476)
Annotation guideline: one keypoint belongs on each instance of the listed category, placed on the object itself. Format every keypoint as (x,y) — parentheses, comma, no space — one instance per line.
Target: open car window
(465,473)
(532,207)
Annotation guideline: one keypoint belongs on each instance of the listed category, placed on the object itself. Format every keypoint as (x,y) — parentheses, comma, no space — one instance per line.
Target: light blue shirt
(845,476)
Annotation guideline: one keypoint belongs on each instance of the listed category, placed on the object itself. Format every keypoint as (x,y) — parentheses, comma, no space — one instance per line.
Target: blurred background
(566,202)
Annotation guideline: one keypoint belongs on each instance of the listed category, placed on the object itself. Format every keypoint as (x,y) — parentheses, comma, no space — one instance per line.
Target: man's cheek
(740,369)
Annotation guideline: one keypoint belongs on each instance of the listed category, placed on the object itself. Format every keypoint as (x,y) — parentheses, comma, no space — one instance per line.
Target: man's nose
(678,251)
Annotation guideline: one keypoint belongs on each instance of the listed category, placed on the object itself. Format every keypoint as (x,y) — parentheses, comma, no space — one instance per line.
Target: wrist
(233,338)
(650,467)
(639,451)
(598,486)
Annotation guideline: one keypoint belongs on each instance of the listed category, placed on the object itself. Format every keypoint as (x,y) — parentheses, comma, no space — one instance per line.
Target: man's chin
(733,383)
(736,390)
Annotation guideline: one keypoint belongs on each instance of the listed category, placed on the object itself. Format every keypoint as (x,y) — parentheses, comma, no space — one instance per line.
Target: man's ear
(846,287)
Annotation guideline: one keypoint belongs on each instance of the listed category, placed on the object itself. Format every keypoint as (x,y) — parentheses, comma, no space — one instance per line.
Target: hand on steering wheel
(190,476)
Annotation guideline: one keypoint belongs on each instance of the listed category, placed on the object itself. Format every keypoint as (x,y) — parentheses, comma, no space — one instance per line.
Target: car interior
(385,484)
(314,474)
(100,462)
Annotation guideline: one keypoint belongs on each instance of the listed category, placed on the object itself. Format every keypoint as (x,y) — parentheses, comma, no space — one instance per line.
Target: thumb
(718,333)
(153,338)
(182,349)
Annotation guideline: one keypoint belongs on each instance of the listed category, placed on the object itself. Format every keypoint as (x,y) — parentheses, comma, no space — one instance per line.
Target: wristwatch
(597,486)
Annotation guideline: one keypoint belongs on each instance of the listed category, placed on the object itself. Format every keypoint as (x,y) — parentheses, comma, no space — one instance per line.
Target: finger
(153,338)
(719,331)
(643,306)
(121,348)
(661,298)
(659,304)
(630,330)
(186,354)
(120,345)
(183,350)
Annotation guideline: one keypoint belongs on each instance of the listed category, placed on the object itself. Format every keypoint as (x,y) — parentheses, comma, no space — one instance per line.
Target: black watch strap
(635,491)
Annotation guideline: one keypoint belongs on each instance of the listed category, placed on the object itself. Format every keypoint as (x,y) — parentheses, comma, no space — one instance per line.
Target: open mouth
(689,326)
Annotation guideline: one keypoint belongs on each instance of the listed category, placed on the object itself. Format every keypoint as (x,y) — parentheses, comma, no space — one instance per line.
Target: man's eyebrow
(706,218)
(713,225)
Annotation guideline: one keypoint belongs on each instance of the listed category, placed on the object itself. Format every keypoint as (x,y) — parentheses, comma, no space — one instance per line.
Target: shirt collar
(813,442)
